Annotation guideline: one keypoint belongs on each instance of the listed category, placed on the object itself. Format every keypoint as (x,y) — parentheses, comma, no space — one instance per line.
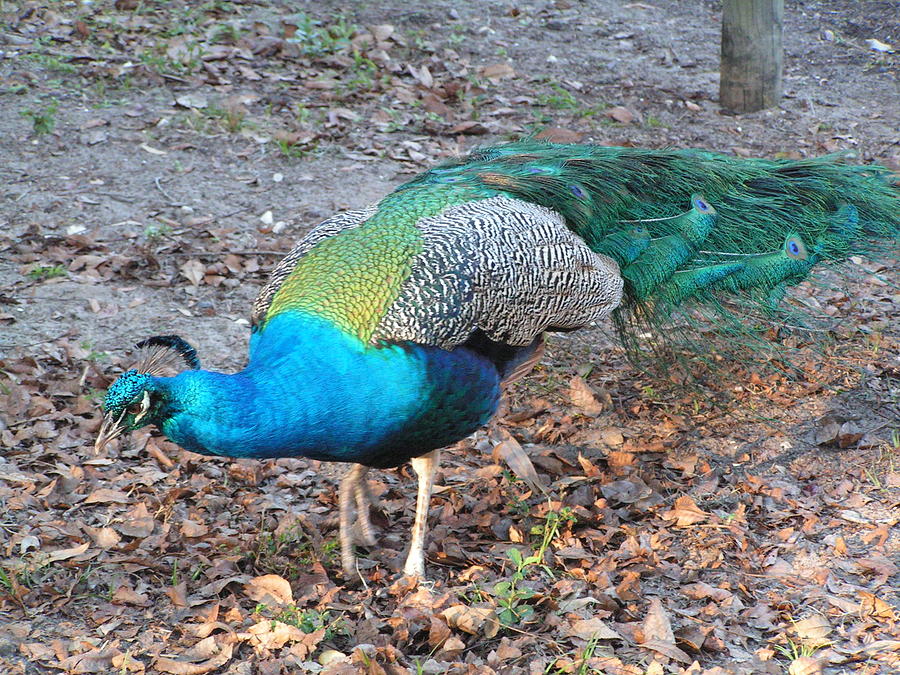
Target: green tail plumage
(666,254)
(693,227)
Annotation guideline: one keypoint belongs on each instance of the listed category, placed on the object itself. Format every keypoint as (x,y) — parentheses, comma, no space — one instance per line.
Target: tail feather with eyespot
(691,228)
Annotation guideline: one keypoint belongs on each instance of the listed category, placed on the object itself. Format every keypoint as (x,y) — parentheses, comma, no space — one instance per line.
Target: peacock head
(134,400)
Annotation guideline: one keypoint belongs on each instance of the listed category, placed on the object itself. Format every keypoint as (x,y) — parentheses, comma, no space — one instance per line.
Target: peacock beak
(110,429)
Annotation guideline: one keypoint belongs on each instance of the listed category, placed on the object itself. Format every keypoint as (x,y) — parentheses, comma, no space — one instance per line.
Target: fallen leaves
(657,633)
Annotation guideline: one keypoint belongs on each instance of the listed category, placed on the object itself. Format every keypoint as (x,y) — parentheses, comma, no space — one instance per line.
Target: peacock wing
(508,268)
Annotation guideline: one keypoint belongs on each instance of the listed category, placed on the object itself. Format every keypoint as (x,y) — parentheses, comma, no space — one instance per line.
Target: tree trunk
(750,75)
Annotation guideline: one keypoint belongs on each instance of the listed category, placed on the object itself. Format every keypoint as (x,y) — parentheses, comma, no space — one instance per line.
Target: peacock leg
(346,497)
(363,497)
(424,466)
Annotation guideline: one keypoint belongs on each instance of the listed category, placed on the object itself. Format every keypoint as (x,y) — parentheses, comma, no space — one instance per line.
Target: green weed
(47,272)
(42,121)
(93,355)
(307,620)
(51,62)
(225,33)
(512,598)
(287,551)
(231,118)
(154,233)
(315,39)
(560,99)
(794,651)
(292,150)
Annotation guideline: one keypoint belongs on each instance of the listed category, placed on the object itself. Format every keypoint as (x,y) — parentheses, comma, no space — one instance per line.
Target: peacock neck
(310,389)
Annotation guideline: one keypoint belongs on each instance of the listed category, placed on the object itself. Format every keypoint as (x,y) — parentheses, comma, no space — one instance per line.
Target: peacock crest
(129,396)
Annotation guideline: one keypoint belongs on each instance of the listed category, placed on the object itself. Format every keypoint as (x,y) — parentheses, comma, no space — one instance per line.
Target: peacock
(390,332)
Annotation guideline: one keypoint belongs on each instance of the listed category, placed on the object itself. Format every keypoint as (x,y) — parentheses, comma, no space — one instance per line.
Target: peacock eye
(139,408)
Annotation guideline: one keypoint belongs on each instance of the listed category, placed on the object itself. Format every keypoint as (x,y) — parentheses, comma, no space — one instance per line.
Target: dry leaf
(104,537)
(883,568)
(107,495)
(125,595)
(138,522)
(805,665)
(123,663)
(176,667)
(193,271)
(192,100)
(189,528)
(451,649)
(656,624)
(813,630)
(178,595)
(422,75)
(685,513)
(877,647)
(581,395)
(560,135)
(871,605)
(94,661)
(268,635)
(438,632)
(67,553)
(469,127)
(433,104)
(270,589)
(330,656)
(593,629)
(667,649)
(879,46)
(381,32)
(516,458)
(620,114)
(152,151)
(626,491)
(497,72)
(473,620)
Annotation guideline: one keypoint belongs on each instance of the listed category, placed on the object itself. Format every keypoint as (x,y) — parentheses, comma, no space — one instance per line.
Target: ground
(159,157)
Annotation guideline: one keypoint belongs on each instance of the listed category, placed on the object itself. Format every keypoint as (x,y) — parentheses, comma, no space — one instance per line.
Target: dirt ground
(156,159)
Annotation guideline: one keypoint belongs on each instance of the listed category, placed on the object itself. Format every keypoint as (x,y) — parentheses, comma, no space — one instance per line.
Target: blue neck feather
(312,390)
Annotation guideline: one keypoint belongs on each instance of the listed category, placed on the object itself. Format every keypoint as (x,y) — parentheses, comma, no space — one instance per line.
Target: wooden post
(750,74)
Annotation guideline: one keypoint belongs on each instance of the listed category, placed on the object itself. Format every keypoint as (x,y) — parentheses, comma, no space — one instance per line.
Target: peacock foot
(348,563)
(415,565)
(353,493)
(363,533)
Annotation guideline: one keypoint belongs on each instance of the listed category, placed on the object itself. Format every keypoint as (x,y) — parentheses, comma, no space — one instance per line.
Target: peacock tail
(686,228)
